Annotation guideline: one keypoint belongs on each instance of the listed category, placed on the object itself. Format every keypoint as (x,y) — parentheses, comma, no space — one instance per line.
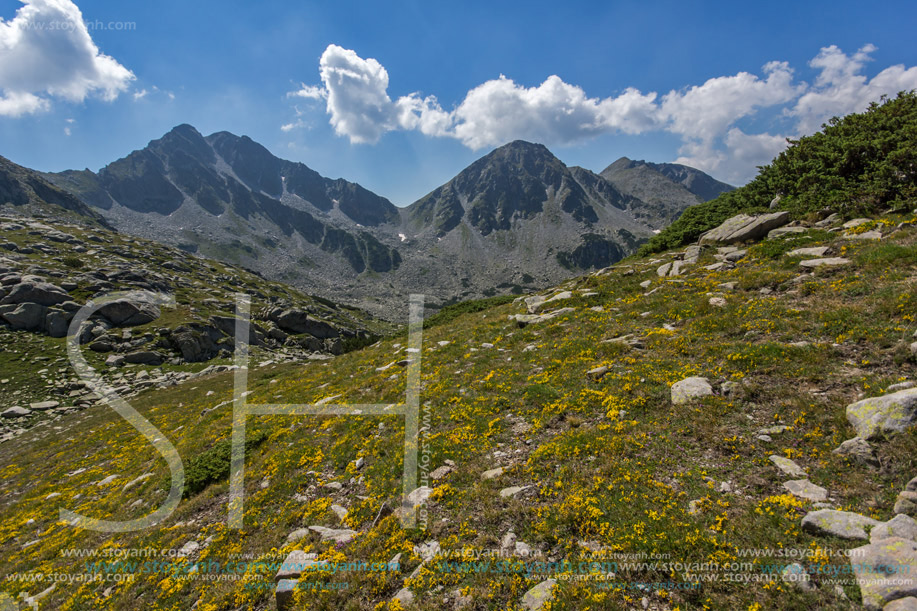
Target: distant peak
(523,145)
(185,130)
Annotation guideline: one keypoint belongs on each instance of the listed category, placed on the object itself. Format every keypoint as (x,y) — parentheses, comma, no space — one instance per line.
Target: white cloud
(706,117)
(356,95)
(139,95)
(841,88)
(743,153)
(287,127)
(555,112)
(46,52)
(310,92)
(16,104)
(702,113)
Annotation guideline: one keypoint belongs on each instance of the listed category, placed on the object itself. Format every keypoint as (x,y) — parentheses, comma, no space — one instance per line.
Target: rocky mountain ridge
(516,219)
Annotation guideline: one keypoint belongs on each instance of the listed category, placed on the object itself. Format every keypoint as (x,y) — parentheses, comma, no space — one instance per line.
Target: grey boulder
(743,228)
(879,417)
(130,312)
(885,571)
(298,321)
(42,293)
(27,316)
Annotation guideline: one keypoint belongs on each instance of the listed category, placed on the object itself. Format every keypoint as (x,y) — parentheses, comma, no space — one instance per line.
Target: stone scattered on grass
(788,466)
(858,450)
(827,262)
(687,390)
(879,417)
(535,599)
(805,489)
(795,575)
(841,524)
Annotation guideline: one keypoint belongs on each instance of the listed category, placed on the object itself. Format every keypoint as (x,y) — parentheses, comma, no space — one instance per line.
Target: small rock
(858,450)
(44,405)
(342,535)
(829,262)
(339,511)
(877,417)
(902,604)
(15,412)
(284,593)
(805,489)
(512,491)
(815,251)
(535,599)
(866,235)
(906,503)
(717,302)
(491,474)
(684,391)
(404,596)
(297,562)
(796,575)
(788,466)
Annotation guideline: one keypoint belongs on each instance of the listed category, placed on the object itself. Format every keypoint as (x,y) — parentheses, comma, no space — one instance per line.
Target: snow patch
(403,237)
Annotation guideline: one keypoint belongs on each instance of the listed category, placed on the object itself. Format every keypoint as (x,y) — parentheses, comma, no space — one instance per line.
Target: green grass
(610,461)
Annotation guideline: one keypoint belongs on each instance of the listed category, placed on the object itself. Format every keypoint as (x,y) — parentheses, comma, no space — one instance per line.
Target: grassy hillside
(861,164)
(610,469)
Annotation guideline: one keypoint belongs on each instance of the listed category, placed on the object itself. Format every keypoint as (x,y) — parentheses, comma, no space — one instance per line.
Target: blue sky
(345,87)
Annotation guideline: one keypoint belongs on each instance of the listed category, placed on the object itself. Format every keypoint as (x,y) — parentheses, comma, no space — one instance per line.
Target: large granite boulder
(26,316)
(42,293)
(744,228)
(129,312)
(196,343)
(298,321)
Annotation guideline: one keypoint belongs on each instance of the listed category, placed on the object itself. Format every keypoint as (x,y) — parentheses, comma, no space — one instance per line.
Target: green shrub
(72,262)
(857,165)
(213,465)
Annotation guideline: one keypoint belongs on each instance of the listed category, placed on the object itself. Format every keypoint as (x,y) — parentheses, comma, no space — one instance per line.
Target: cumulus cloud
(841,88)
(554,112)
(46,52)
(707,117)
